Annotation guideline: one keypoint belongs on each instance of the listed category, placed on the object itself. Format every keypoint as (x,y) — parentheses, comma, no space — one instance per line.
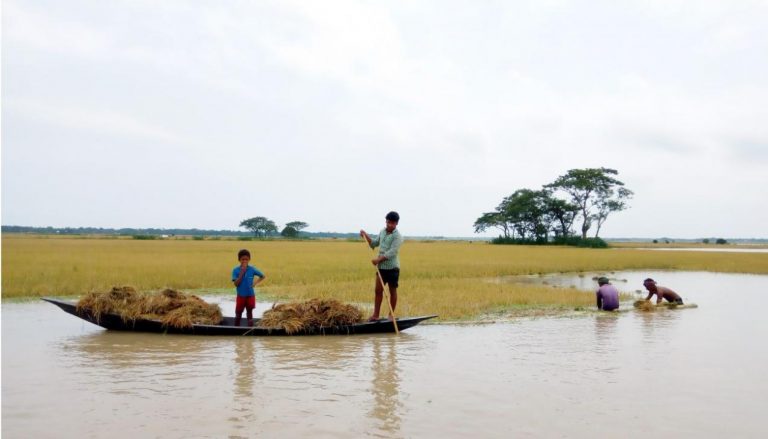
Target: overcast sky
(201,114)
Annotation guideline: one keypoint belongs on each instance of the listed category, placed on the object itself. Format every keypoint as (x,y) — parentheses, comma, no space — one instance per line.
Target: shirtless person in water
(661,292)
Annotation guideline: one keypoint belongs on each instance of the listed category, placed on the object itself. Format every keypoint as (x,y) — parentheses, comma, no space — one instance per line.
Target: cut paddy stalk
(323,313)
(171,307)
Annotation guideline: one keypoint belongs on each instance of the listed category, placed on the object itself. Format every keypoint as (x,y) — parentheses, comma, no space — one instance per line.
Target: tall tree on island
(259,225)
(596,193)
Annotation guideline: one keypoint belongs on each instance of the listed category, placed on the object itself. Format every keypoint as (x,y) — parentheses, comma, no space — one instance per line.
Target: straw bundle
(644,305)
(315,313)
(172,307)
(119,300)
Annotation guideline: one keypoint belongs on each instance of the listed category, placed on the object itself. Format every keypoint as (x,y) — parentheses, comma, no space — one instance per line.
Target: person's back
(669,295)
(607,296)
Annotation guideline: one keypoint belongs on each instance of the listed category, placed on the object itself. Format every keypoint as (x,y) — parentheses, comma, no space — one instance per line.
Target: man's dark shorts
(390,276)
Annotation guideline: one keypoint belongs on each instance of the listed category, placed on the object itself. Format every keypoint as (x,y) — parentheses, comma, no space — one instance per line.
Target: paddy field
(453,279)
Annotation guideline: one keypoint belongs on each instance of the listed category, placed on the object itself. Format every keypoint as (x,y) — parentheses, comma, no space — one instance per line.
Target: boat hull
(116,323)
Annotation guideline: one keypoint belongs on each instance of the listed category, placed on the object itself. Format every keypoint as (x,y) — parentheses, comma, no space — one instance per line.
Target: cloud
(32,27)
(465,104)
(751,150)
(88,120)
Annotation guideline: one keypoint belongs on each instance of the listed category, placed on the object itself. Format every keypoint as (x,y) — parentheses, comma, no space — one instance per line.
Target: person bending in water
(243,276)
(661,292)
(607,295)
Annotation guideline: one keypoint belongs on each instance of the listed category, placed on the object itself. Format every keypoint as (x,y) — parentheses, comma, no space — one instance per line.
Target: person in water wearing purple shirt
(607,295)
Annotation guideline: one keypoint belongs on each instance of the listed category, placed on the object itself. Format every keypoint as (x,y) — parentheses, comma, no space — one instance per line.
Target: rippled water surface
(693,372)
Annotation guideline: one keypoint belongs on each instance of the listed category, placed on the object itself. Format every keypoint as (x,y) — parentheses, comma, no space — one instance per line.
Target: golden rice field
(446,278)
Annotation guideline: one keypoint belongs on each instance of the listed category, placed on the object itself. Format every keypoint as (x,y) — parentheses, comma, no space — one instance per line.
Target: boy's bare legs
(238,313)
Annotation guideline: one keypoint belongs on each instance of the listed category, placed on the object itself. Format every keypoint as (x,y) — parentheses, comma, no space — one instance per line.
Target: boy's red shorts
(244,302)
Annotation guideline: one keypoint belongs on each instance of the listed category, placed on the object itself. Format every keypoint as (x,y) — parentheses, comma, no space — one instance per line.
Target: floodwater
(699,249)
(672,373)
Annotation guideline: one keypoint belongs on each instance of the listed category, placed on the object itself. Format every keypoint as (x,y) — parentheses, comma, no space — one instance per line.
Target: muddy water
(699,249)
(695,372)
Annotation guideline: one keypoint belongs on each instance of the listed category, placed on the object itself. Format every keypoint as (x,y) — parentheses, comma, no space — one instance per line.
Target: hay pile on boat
(644,305)
(298,316)
(173,308)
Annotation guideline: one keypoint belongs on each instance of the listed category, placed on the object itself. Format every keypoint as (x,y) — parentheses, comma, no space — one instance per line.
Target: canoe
(663,306)
(226,327)
(669,305)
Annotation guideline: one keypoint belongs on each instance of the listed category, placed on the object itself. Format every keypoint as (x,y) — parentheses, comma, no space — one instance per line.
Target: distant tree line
(293,229)
(119,232)
(549,214)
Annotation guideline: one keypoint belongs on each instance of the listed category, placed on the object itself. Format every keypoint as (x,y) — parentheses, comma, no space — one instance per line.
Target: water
(699,249)
(694,372)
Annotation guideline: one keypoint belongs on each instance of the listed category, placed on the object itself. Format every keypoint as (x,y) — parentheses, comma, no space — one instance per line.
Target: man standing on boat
(661,292)
(389,241)
(607,295)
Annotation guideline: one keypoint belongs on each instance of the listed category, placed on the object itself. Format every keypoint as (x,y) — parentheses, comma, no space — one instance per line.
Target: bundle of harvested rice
(120,300)
(172,307)
(194,311)
(644,305)
(315,313)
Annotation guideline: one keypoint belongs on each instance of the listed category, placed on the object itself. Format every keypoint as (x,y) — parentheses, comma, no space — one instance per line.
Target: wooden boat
(669,305)
(661,307)
(226,327)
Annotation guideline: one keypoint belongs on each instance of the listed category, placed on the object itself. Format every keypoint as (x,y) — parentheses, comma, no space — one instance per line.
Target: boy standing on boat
(661,292)
(389,241)
(607,295)
(244,277)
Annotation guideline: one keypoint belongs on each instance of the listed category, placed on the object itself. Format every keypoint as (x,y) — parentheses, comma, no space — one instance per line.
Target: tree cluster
(549,214)
(262,227)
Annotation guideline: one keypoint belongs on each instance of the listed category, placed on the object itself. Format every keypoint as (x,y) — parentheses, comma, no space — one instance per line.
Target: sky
(193,114)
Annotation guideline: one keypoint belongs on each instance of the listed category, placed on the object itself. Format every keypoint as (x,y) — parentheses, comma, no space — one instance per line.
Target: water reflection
(386,385)
(244,379)
(139,364)
(605,328)
(245,363)
(658,325)
(128,351)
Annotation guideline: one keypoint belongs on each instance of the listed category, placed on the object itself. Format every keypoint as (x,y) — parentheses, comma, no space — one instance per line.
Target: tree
(297,225)
(259,225)
(613,202)
(293,228)
(525,210)
(595,192)
(492,219)
(522,214)
(561,213)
